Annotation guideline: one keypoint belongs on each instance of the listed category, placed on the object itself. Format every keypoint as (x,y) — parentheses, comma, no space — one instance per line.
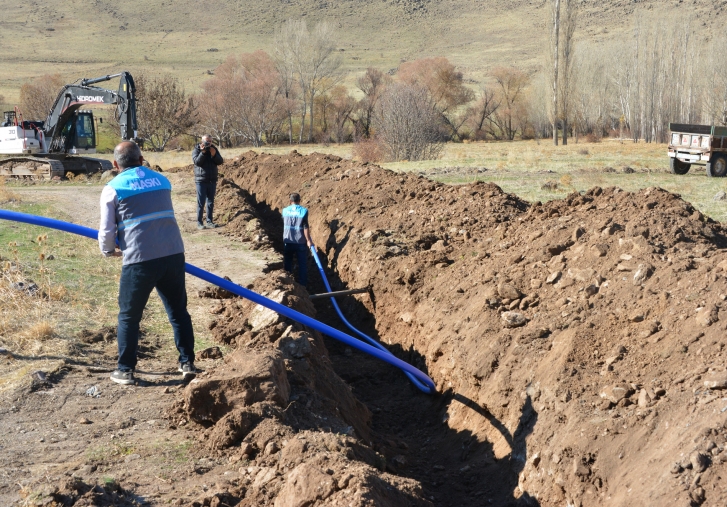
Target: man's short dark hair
(295,198)
(127,154)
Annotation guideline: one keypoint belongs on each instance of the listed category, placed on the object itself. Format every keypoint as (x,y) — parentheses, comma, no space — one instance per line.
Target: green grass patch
(98,453)
(75,264)
(82,284)
(106,141)
(172,453)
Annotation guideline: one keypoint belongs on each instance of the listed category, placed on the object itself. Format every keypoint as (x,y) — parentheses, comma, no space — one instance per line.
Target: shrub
(592,137)
(408,124)
(38,96)
(368,150)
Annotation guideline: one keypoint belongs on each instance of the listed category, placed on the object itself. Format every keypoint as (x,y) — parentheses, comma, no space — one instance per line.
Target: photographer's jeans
(205,192)
(166,274)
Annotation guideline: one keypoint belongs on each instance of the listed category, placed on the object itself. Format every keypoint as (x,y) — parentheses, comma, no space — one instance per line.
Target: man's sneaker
(188,371)
(210,225)
(123,377)
(200,226)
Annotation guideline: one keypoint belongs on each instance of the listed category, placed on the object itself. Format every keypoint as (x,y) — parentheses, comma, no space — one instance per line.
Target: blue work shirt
(295,220)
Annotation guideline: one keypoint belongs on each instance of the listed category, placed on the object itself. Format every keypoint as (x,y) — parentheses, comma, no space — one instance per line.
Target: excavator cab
(79,133)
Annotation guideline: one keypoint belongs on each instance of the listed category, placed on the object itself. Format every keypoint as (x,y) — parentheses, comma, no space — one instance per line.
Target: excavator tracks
(49,168)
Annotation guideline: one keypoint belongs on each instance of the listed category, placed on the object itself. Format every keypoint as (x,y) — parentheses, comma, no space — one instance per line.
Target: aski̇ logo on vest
(147,183)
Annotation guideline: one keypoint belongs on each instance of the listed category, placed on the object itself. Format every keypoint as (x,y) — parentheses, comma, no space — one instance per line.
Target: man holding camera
(206,158)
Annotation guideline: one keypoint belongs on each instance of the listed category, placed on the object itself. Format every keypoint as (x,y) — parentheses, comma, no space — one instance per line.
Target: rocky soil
(269,423)
(577,344)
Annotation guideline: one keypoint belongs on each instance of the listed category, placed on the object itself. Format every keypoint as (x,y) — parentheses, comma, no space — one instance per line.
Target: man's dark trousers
(166,274)
(205,192)
(299,251)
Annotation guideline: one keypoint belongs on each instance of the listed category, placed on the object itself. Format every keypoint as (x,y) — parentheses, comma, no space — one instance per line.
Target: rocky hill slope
(78,38)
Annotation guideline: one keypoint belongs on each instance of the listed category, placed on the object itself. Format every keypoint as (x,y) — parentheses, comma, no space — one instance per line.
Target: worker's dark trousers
(205,193)
(299,251)
(166,274)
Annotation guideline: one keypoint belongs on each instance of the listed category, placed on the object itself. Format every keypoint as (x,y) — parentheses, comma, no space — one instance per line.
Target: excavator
(54,147)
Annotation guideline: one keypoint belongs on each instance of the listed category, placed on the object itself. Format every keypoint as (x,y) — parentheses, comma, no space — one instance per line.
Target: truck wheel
(717,166)
(676,166)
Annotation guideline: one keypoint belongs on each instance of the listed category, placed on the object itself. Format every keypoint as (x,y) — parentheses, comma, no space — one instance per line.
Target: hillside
(78,38)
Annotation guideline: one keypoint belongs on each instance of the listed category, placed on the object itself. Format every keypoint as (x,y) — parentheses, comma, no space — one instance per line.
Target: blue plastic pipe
(386,356)
(363,336)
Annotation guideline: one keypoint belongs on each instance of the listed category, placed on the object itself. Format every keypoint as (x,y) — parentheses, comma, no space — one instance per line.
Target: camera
(207,144)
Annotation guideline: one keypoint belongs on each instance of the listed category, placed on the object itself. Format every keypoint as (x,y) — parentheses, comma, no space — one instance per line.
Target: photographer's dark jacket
(205,165)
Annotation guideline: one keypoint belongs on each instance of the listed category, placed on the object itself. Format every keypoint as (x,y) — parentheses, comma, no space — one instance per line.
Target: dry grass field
(527,156)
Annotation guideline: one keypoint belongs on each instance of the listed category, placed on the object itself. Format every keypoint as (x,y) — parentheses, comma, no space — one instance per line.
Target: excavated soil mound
(276,406)
(579,343)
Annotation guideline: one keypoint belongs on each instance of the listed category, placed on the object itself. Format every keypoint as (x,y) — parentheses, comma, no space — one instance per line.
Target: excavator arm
(74,96)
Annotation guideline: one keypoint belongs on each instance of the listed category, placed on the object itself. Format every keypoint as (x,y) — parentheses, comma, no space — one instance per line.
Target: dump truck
(57,145)
(698,144)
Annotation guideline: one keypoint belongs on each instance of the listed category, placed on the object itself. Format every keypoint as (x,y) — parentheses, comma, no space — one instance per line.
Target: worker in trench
(296,238)
(136,208)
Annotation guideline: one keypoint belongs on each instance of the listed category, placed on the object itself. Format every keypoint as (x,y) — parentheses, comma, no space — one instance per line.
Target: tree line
(664,71)
(296,93)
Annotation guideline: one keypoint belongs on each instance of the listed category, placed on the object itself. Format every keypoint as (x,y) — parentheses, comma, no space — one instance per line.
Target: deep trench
(454,467)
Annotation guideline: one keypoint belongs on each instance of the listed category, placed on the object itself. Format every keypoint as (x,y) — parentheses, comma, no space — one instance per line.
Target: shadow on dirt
(410,428)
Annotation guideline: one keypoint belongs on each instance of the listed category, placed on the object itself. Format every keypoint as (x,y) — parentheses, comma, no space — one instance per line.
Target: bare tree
(336,107)
(285,63)
(512,84)
(289,42)
(312,56)
(445,86)
(657,79)
(260,107)
(408,123)
(371,84)
(246,99)
(638,89)
(540,105)
(164,109)
(594,106)
(716,87)
(567,77)
(37,96)
(480,115)
(555,40)
(216,109)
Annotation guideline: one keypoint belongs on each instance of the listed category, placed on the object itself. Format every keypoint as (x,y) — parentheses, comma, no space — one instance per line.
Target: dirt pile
(75,491)
(277,407)
(580,341)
